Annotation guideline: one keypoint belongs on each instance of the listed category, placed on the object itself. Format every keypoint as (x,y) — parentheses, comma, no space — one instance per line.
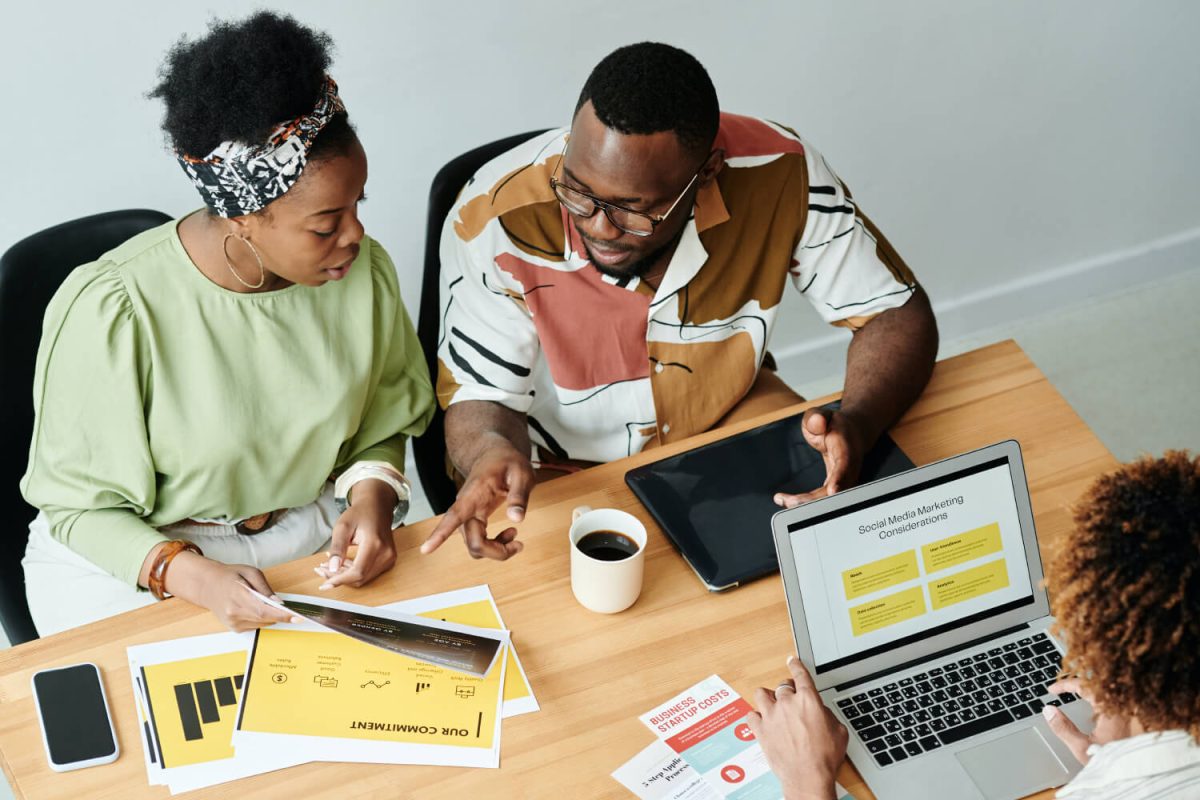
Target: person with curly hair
(1126,590)
(199,388)
(612,286)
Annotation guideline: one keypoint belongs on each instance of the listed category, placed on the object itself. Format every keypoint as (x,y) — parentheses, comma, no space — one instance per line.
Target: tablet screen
(715,502)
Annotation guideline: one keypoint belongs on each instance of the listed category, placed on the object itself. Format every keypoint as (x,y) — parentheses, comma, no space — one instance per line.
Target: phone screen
(74,714)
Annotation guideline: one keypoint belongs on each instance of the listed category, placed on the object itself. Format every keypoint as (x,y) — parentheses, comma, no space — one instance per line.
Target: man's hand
(802,740)
(888,364)
(500,474)
(366,524)
(841,442)
(1108,728)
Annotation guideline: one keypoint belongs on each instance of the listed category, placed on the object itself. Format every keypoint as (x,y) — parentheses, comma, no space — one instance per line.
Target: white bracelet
(377,470)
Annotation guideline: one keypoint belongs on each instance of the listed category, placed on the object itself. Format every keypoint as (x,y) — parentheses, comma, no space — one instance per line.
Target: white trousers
(65,590)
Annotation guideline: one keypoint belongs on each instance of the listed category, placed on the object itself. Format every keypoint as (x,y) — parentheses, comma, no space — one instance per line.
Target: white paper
(253,760)
(659,773)
(196,776)
(153,769)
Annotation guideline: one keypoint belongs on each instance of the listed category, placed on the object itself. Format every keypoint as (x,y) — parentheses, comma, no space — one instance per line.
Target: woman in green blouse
(199,387)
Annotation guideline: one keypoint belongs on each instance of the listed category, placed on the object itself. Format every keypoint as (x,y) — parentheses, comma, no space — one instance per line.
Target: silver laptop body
(916,602)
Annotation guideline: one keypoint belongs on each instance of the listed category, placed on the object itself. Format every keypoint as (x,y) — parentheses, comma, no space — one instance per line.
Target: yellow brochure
(326,696)
(475,606)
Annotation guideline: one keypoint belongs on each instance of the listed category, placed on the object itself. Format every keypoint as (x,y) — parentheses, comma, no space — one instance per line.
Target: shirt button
(666,428)
(658,367)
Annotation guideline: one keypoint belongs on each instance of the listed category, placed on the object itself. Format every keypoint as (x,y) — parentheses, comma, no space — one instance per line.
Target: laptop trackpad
(991,765)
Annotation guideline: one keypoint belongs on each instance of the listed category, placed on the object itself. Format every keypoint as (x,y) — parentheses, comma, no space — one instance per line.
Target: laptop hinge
(931,657)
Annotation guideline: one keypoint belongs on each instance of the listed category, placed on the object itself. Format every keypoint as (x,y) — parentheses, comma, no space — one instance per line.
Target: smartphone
(73,712)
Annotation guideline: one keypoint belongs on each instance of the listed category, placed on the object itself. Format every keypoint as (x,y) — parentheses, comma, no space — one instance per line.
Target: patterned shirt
(605,367)
(1152,766)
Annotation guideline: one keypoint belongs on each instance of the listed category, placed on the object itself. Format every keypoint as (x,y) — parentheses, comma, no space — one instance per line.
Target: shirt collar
(686,261)
(710,207)
(690,254)
(1135,758)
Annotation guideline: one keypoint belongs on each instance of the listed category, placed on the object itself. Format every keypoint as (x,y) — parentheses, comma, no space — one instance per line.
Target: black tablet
(714,503)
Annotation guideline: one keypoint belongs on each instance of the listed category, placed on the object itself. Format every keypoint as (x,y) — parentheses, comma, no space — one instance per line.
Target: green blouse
(160,396)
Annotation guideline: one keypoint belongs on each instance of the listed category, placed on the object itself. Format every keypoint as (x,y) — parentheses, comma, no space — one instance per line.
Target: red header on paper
(710,725)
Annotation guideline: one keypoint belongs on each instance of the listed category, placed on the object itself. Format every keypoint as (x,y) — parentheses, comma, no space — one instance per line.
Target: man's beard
(636,269)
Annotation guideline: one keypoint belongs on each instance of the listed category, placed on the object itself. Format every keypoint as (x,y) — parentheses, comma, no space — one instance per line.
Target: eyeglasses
(583,205)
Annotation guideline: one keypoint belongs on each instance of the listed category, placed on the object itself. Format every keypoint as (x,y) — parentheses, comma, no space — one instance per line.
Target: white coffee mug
(606,586)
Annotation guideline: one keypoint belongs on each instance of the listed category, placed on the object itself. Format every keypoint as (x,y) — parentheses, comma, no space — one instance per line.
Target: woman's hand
(1108,728)
(366,524)
(224,589)
(802,740)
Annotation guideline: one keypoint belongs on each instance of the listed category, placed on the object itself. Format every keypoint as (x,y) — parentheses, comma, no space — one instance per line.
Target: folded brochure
(187,734)
(706,727)
(446,644)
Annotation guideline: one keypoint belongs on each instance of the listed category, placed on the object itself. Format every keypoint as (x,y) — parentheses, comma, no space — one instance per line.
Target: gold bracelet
(158,570)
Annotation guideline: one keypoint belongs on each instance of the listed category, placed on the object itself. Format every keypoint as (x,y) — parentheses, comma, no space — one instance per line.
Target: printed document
(331,697)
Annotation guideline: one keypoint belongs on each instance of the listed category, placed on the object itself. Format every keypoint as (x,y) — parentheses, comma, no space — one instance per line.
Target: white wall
(1016,153)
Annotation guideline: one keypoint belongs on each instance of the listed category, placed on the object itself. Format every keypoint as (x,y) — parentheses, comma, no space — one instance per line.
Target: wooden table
(593,674)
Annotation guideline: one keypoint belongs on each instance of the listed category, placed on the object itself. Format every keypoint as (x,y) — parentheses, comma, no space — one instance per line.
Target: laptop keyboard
(955,700)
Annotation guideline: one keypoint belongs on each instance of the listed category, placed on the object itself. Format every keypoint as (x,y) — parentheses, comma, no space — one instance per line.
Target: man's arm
(488,443)
(487,350)
(887,366)
(474,427)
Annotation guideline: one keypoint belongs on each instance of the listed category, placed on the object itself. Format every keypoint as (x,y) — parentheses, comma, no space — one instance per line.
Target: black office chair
(430,448)
(30,272)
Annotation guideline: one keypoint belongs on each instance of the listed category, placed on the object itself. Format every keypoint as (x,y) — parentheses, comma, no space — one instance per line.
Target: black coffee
(607,546)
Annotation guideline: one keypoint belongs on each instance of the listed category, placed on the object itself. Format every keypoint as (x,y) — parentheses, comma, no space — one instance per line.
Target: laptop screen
(911,564)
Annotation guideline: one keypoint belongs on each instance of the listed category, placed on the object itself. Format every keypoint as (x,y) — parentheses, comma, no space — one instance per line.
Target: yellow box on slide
(961,548)
(881,574)
(968,584)
(887,610)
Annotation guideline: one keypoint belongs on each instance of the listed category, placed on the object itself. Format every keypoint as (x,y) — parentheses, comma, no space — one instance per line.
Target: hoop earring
(262,271)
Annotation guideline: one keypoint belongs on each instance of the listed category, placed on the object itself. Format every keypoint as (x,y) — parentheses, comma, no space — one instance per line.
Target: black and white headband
(236,179)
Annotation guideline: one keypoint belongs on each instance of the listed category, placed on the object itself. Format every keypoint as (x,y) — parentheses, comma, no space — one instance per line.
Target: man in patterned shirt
(613,287)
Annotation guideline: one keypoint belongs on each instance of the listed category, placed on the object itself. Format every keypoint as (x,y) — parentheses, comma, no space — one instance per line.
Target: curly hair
(242,80)
(651,87)
(1126,586)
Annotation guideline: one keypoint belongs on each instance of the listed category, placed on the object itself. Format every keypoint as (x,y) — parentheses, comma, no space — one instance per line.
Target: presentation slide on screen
(909,564)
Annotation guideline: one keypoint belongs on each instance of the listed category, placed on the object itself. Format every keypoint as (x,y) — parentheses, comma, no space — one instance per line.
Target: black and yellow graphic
(206,696)
(192,706)
(456,709)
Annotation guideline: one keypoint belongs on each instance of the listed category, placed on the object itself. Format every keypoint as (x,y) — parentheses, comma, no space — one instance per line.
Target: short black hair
(651,87)
(242,80)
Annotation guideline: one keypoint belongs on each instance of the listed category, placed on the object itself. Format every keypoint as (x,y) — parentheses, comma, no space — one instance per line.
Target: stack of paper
(187,694)
(216,708)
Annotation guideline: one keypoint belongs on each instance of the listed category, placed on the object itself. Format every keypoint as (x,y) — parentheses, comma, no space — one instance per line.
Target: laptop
(916,602)
(714,503)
